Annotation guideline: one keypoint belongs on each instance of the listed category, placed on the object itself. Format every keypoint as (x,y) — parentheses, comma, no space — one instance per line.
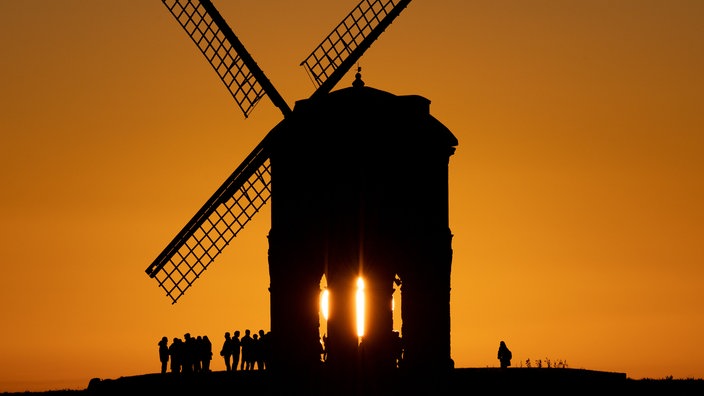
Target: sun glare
(360,307)
(324,301)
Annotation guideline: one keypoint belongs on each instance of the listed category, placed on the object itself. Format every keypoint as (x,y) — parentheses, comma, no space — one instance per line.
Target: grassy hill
(459,381)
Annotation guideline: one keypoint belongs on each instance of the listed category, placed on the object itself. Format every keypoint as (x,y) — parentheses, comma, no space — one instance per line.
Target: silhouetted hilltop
(458,381)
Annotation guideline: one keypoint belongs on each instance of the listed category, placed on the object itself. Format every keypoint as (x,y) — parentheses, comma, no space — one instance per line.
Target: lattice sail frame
(212,236)
(356,32)
(210,38)
(217,223)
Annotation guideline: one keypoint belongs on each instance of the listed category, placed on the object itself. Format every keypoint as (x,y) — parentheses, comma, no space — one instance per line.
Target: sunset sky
(576,191)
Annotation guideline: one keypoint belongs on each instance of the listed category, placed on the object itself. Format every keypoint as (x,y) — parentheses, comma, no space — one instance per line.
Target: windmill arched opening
(360,308)
(397,306)
(323,315)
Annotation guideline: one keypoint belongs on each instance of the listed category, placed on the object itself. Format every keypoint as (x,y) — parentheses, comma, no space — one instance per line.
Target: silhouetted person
(197,352)
(504,355)
(256,352)
(226,351)
(267,350)
(246,343)
(206,354)
(176,354)
(236,346)
(189,353)
(164,353)
(263,350)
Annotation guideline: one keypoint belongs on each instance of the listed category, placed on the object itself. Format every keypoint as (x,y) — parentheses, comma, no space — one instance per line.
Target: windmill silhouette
(358,183)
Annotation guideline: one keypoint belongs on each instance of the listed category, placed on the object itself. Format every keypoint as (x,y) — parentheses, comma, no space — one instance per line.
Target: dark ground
(460,381)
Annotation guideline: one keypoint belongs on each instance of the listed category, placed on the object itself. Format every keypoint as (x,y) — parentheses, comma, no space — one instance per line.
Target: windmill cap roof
(350,108)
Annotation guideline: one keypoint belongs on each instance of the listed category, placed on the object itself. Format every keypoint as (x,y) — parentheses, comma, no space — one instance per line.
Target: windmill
(357,180)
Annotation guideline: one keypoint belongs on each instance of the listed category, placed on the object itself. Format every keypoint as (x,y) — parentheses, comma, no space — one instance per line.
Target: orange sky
(575,192)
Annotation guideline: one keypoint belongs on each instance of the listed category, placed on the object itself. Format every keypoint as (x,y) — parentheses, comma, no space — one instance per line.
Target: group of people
(193,354)
(250,352)
(187,355)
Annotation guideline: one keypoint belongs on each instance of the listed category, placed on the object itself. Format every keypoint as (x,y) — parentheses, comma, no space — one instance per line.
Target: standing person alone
(504,355)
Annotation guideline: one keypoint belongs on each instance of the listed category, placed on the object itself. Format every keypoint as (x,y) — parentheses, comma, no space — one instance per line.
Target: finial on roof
(358,78)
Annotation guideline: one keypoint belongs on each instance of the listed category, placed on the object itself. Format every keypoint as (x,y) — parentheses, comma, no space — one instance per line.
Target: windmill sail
(222,217)
(343,47)
(243,194)
(226,54)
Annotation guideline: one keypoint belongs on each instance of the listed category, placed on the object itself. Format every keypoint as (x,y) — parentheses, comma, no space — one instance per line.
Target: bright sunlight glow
(324,301)
(360,307)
